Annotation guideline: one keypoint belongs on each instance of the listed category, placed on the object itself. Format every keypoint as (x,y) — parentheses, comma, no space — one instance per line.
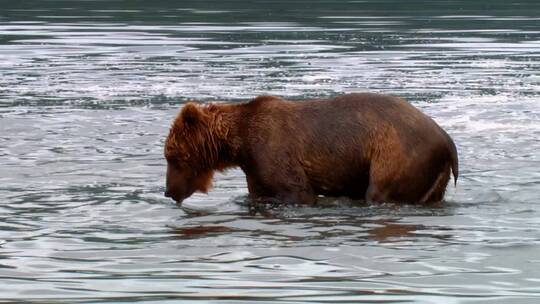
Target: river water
(88,90)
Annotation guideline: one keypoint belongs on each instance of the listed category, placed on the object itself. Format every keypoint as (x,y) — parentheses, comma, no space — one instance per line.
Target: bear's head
(192,151)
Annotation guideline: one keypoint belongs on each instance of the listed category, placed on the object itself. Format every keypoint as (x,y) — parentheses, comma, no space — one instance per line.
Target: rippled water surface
(88,90)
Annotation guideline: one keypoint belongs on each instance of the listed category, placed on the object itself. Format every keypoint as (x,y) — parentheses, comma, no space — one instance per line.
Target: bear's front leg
(273,184)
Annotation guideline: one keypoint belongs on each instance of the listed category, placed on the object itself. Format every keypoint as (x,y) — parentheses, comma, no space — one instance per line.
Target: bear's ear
(191,114)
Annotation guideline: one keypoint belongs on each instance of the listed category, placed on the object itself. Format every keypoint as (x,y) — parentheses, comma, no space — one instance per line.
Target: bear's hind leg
(373,195)
(436,192)
(418,184)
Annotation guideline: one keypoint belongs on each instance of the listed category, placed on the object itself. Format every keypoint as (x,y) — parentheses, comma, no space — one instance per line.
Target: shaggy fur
(365,146)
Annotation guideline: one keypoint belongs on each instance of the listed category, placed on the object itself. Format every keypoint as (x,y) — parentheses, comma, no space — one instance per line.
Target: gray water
(88,90)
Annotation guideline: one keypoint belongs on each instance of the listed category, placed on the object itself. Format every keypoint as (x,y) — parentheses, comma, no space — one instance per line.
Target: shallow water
(88,91)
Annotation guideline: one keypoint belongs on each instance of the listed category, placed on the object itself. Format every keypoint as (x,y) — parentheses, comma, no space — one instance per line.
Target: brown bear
(364,146)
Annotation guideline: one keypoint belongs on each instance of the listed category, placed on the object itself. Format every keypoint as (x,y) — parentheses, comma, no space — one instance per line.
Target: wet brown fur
(365,146)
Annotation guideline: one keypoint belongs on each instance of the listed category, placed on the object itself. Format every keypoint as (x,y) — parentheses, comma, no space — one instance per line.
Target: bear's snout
(170,195)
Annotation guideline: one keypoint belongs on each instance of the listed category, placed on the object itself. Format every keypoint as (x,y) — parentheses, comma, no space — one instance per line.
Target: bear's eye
(168,158)
(172,161)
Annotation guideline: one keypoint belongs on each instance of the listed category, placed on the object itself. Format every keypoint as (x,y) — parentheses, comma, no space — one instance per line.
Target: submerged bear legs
(280,192)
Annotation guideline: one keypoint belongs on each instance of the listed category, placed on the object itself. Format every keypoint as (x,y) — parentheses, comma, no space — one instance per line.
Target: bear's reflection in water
(333,218)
